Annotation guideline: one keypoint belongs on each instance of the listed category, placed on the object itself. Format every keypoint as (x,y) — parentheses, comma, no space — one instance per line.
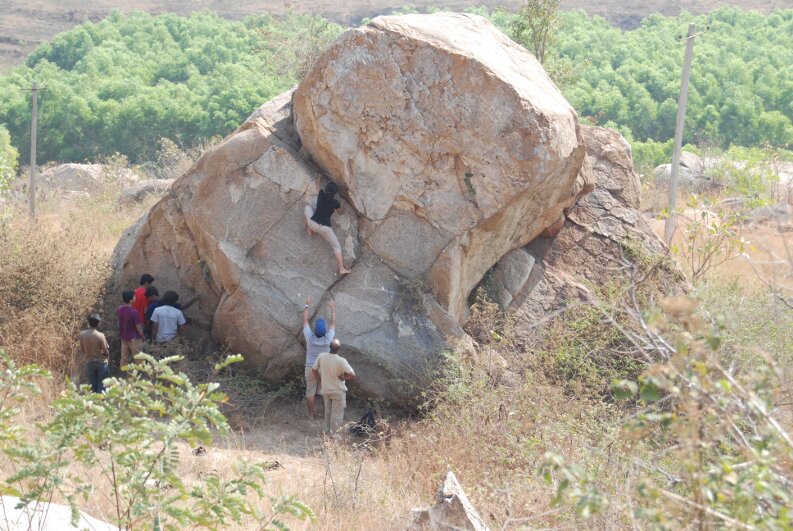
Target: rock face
(451,148)
(441,127)
(232,231)
(604,232)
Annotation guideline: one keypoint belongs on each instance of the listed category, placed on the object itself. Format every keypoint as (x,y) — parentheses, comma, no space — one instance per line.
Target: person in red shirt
(141,301)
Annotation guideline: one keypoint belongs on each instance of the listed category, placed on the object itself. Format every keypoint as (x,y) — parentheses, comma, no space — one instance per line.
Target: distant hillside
(25,24)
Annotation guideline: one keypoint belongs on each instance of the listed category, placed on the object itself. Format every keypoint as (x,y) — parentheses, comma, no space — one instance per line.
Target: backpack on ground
(365,426)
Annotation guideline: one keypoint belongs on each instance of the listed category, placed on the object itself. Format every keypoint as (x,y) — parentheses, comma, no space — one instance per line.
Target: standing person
(156,303)
(130,328)
(334,373)
(318,220)
(93,346)
(152,297)
(317,342)
(167,320)
(141,301)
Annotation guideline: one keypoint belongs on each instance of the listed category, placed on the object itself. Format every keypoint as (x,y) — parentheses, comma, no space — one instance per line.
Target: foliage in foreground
(125,442)
(709,447)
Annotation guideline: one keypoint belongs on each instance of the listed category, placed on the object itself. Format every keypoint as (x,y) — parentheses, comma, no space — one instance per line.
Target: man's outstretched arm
(305,311)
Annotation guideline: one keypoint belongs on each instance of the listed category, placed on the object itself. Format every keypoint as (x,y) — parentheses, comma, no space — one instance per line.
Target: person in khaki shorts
(317,342)
(334,372)
(130,328)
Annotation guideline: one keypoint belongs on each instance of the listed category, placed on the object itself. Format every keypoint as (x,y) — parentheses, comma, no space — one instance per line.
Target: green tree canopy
(122,84)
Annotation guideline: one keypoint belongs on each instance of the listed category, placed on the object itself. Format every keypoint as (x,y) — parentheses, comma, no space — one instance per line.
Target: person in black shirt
(318,220)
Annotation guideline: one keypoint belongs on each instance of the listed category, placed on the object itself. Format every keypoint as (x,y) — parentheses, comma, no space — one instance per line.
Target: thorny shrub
(710,239)
(709,448)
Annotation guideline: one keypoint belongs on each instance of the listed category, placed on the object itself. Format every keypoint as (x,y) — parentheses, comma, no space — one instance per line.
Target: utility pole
(33,126)
(669,228)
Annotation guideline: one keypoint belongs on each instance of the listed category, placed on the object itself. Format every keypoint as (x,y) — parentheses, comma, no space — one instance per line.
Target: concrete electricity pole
(33,126)
(669,228)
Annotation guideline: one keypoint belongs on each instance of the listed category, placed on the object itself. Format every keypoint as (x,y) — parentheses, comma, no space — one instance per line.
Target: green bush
(126,441)
(8,159)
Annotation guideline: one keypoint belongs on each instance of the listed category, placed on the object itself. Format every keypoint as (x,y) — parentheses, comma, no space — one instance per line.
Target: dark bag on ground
(365,426)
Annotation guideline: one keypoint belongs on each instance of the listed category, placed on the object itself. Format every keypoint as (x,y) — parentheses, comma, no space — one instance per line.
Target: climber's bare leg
(308,212)
(340,262)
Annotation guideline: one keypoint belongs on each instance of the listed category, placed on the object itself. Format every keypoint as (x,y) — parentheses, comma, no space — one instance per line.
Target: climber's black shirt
(326,204)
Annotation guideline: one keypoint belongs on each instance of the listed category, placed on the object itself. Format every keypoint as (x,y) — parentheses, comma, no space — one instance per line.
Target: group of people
(326,372)
(146,316)
(143,316)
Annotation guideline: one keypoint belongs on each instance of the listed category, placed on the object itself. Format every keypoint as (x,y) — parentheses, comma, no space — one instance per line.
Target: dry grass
(53,275)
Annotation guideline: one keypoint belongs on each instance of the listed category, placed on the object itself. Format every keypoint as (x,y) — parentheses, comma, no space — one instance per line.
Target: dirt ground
(24,24)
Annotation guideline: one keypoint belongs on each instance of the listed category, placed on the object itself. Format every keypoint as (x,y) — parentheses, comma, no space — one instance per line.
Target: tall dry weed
(53,274)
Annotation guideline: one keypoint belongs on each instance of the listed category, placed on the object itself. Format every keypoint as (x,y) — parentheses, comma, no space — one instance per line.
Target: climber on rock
(317,342)
(318,220)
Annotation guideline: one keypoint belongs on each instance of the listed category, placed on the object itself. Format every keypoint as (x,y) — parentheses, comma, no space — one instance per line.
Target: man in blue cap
(317,342)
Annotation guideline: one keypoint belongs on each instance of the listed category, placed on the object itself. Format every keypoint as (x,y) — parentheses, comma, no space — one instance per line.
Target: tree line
(122,84)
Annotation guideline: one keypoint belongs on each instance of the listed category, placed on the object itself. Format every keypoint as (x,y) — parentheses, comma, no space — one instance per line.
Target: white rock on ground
(42,516)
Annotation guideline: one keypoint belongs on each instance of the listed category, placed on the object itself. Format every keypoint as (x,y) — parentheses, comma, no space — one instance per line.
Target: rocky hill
(25,24)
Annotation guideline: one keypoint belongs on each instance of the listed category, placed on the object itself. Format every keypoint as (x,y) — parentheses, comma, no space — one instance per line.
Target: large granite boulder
(232,231)
(442,128)
(451,148)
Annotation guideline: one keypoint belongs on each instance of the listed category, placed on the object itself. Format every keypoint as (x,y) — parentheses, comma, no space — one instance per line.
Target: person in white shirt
(167,320)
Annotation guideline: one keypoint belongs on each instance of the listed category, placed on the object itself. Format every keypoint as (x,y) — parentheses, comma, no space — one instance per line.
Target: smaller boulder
(687,178)
(509,276)
(45,516)
(779,215)
(137,192)
(603,236)
(90,178)
(692,162)
(452,511)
